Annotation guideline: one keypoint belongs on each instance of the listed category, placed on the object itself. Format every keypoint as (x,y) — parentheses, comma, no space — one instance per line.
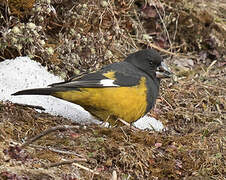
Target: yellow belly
(127,103)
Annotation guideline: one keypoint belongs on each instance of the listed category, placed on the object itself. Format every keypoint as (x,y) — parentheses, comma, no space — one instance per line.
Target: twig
(3,58)
(212,86)
(127,124)
(58,150)
(114,175)
(175,33)
(139,22)
(85,168)
(65,162)
(124,134)
(163,50)
(210,67)
(167,102)
(64,152)
(62,128)
(163,23)
(160,49)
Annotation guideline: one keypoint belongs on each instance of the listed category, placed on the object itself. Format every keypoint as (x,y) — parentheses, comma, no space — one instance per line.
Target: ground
(72,37)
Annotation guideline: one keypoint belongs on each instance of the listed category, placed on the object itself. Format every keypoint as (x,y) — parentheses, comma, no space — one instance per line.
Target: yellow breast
(127,103)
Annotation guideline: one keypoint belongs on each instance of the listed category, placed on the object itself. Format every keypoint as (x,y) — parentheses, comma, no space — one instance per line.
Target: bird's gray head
(149,61)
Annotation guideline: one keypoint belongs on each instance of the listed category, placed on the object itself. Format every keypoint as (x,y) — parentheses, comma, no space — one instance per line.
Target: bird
(124,90)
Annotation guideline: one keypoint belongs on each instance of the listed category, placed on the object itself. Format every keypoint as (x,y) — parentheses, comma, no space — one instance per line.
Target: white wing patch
(107,83)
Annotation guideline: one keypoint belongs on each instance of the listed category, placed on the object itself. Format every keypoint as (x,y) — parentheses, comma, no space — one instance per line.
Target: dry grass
(71,37)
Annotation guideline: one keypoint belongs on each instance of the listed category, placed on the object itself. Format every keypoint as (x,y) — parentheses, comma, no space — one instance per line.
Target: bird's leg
(127,124)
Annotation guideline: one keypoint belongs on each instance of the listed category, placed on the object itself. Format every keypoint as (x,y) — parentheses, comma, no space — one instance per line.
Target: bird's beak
(163,71)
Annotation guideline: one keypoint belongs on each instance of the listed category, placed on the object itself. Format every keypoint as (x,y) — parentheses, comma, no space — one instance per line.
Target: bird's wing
(104,78)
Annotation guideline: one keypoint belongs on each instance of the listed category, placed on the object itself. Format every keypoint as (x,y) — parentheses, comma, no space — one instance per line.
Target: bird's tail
(38,91)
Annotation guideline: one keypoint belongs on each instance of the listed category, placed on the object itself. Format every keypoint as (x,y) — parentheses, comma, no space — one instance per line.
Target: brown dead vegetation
(70,37)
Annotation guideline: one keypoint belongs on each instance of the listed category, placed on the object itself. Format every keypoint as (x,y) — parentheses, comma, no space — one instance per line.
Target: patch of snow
(148,122)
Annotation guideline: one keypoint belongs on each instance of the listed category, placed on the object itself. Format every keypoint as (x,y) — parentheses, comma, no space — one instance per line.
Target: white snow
(148,122)
(23,73)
